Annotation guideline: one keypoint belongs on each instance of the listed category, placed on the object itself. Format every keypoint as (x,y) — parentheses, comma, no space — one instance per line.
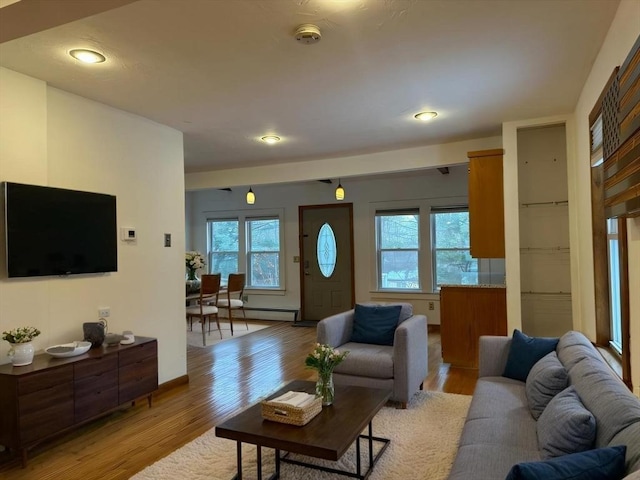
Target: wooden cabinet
(52,395)
(466,313)
(486,204)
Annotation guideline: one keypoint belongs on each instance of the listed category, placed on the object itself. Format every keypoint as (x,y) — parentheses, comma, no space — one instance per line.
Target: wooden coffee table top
(327,436)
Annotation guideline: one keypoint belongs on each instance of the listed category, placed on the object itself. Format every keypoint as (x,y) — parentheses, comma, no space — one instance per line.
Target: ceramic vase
(21,354)
(325,389)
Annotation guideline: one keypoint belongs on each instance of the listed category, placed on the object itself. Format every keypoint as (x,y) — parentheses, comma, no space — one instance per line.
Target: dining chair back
(206,308)
(232,299)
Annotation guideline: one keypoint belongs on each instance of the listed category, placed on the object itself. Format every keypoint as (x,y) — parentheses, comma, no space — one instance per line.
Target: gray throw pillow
(546,379)
(565,426)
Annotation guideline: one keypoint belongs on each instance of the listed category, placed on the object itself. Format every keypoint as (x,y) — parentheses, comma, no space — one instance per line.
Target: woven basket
(282,413)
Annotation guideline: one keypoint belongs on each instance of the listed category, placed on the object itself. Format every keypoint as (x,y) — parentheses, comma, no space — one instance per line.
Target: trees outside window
(398,248)
(452,261)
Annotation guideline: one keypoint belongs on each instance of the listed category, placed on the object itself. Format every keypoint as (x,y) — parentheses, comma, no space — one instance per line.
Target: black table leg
(259,461)
(358,466)
(239,460)
(370,446)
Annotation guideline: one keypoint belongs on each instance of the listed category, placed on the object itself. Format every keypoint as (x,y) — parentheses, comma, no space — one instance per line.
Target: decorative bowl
(68,349)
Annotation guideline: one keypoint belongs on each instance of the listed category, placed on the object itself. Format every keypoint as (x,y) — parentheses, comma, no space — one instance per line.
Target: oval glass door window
(327,250)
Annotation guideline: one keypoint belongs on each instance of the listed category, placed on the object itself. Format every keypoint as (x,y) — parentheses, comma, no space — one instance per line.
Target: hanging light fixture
(251,197)
(339,191)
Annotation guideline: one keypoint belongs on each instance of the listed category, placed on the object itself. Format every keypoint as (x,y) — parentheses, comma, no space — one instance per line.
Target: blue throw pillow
(599,464)
(524,352)
(375,324)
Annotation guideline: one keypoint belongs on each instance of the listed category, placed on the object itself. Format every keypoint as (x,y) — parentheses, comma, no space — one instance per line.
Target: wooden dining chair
(205,309)
(232,299)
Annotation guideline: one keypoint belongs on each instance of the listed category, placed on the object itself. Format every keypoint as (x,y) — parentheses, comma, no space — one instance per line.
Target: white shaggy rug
(194,337)
(424,440)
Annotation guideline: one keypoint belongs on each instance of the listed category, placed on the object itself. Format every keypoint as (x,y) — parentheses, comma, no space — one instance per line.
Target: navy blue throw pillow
(599,464)
(524,352)
(375,324)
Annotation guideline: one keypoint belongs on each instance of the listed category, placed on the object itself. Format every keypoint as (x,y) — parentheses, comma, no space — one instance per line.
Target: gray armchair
(401,367)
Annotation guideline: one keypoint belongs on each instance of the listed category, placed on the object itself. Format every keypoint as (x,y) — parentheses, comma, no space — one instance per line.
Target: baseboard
(171,384)
(433,328)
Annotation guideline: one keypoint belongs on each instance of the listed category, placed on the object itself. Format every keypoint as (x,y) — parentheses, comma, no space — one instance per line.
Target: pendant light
(339,191)
(251,197)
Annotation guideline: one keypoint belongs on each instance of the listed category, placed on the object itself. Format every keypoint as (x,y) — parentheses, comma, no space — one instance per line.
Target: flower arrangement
(21,334)
(193,261)
(324,359)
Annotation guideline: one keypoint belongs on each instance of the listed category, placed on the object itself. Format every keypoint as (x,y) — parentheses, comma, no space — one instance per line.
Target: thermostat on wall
(127,234)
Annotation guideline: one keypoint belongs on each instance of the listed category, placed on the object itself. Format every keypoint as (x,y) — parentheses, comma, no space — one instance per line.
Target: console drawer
(95,367)
(138,353)
(138,379)
(45,380)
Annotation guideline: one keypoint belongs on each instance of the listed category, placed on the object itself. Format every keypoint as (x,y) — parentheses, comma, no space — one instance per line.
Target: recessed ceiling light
(87,56)
(270,139)
(425,116)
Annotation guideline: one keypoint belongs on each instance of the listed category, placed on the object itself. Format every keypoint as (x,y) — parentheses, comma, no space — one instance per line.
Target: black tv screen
(53,231)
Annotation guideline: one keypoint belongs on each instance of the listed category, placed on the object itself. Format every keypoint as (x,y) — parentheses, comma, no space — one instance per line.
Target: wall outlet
(104,312)
(432,306)
(167,239)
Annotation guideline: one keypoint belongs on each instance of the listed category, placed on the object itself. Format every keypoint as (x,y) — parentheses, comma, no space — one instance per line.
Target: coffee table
(327,436)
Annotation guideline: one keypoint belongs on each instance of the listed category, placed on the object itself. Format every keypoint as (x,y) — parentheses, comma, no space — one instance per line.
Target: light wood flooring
(223,379)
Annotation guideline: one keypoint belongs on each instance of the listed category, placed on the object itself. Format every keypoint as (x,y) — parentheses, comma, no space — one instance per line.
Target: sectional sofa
(500,430)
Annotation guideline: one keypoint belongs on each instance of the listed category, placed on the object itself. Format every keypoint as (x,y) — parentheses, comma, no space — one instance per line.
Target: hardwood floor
(222,380)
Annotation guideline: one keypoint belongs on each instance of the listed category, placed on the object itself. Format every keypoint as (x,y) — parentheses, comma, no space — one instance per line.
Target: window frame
(388,212)
(434,262)
(243,254)
(249,252)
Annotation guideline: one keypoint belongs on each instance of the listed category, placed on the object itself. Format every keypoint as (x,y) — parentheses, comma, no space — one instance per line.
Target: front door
(326,263)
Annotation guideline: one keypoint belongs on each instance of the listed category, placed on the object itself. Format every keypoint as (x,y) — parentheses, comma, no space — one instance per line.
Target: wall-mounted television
(54,231)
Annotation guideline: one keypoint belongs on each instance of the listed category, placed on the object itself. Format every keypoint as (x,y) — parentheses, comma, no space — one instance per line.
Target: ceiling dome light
(425,116)
(270,139)
(87,56)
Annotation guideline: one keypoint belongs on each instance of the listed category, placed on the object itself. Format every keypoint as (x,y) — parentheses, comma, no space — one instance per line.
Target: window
(397,248)
(223,251)
(452,261)
(614,284)
(246,244)
(263,252)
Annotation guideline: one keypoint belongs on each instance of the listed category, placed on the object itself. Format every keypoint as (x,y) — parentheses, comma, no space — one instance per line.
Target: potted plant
(21,351)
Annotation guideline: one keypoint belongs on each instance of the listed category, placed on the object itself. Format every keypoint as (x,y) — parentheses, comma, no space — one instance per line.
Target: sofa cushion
(606,397)
(565,426)
(375,324)
(598,464)
(497,397)
(489,462)
(630,437)
(514,430)
(524,352)
(573,347)
(546,379)
(367,360)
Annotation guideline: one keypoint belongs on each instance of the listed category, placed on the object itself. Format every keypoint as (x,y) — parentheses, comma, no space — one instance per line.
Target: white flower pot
(21,354)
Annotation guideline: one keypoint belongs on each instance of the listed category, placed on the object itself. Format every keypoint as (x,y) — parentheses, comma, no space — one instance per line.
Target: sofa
(500,430)
(400,367)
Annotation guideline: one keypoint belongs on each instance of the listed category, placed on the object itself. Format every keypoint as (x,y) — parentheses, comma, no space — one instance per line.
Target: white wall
(49,137)
(416,189)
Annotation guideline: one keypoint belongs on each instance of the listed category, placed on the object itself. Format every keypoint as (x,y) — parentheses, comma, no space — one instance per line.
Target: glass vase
(192,282)
(325,389)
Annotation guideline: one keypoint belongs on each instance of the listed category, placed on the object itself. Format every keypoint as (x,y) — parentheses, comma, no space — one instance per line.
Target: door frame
(301,210)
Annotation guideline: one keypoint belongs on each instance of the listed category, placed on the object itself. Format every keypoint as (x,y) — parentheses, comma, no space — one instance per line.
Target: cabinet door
(95,386)
(486,204)
(138,371)
(45,403)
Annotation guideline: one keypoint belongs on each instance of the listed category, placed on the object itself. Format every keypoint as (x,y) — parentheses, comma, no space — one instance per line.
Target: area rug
(424,440)
(194,337)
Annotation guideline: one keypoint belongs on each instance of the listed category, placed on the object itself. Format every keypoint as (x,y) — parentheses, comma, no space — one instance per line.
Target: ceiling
(226,72)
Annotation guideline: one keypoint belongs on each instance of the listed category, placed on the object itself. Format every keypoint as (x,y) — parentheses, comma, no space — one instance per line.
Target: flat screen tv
(53,231)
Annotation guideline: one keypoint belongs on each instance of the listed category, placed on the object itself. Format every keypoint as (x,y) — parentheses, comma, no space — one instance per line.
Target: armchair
(401,367)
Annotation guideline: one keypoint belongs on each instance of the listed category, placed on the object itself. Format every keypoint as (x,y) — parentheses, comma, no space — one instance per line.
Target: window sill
(612,358)
(404,294)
